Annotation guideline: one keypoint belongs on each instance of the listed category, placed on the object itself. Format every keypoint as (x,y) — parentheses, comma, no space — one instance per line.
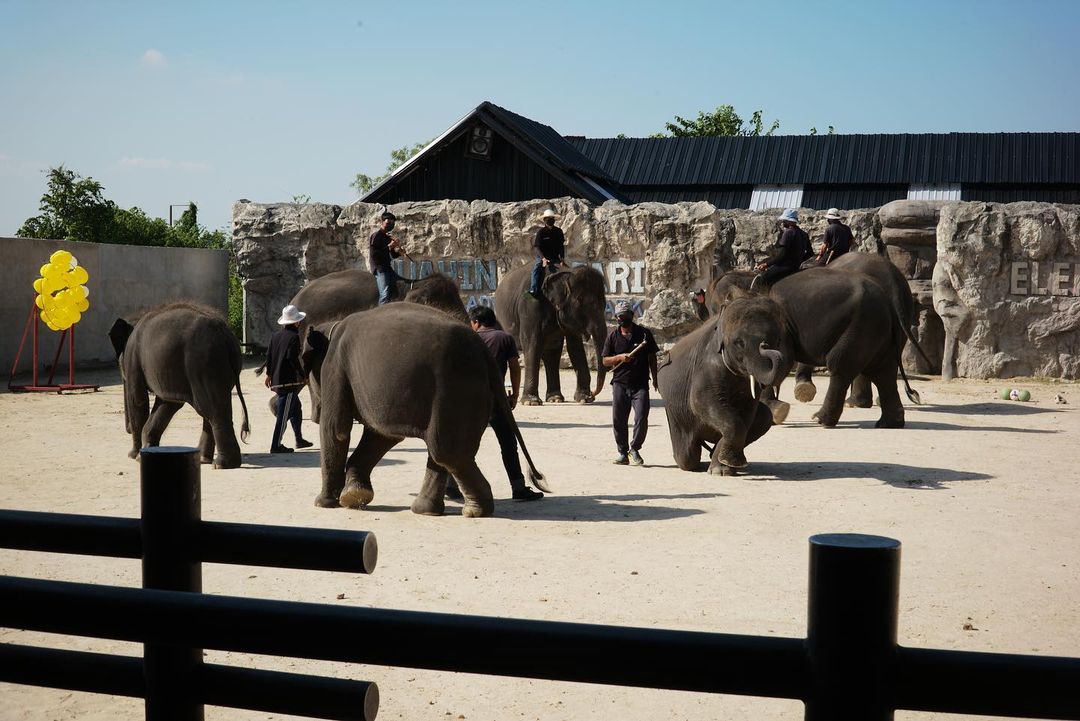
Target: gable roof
(541,143)
(843,159)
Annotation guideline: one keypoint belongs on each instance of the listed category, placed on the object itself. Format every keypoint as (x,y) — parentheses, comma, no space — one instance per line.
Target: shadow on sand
(894,474)
(594,508)
(989,408)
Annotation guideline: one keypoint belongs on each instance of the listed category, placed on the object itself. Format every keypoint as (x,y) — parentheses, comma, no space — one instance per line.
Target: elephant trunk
(774,357)
(599,333)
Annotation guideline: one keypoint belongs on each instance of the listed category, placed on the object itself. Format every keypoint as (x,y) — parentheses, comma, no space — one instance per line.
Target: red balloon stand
(49,386)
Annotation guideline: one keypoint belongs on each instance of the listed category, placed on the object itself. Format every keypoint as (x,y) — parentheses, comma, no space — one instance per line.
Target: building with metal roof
(497,155)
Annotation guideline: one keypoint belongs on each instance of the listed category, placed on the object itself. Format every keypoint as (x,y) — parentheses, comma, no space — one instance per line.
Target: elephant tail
(912,394)
(245,429)
(502,407)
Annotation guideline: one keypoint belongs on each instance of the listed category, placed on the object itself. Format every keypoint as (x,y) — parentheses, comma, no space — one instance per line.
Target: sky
(211,102)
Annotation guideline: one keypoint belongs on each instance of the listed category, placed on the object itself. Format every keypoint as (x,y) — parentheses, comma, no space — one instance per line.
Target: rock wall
(654,254)
(1006,286)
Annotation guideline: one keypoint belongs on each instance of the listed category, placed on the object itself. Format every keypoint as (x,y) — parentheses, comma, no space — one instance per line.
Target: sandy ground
(983,494)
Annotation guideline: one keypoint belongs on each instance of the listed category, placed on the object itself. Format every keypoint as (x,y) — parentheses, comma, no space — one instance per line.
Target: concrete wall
(125,280)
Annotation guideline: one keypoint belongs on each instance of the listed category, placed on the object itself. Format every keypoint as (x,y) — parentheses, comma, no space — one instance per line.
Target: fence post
(851,626)
(171,511)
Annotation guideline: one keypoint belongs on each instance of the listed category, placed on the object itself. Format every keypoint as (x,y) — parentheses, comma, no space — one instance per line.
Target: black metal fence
(848,667)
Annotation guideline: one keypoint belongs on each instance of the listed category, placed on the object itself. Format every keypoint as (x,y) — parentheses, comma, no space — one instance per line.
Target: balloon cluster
(61,291)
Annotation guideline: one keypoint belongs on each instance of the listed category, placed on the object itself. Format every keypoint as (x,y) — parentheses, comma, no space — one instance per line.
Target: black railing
(848,667)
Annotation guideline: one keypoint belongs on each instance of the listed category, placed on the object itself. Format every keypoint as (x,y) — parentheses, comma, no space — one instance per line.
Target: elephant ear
(314,350)
(119,334)
(557,289)
(718,332)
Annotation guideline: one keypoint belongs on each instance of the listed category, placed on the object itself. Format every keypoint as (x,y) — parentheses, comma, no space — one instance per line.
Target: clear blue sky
(215,101)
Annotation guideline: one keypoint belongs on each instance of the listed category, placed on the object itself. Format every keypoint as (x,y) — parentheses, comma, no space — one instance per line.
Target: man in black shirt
(286,378)
(550,247)
(793,248)
(631,350)
(838,238)
(505,352)
(382,248)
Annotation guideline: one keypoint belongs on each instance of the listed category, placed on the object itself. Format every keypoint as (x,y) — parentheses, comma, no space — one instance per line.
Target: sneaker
(281,449)
(635,459)
(527,494)
(302,443)
(621,460)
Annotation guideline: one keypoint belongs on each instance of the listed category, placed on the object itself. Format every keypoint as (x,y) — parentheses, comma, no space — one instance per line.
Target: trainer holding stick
(630,351)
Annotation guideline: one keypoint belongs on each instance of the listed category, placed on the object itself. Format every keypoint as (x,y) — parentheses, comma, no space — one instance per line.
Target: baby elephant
(182,353)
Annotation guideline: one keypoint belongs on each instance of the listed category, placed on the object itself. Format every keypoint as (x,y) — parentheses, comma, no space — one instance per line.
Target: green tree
(363,183)
(75,208)
(722,121)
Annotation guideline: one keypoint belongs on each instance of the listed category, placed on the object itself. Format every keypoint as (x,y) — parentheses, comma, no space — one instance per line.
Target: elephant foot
(825,420)
(530,401)
(584,397)
(719,469)
(884,422)
(478,510)
(854,402)
(353,495)
(555,398)
(133,454)
(805,391)
(779,410)
(732,458)
(206,459)
(423,506)
(222,462)
(322,501)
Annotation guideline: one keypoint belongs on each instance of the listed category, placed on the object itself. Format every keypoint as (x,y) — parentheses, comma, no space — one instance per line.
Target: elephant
(405,371)
(705,383)
(182,353)
(571,306)
(337,295)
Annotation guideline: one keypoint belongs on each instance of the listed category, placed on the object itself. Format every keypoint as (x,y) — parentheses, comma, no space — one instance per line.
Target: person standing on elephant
(550,247)
(504,350)
(630,350)
(793,248)
(838,238)
(285,377)
(382,248)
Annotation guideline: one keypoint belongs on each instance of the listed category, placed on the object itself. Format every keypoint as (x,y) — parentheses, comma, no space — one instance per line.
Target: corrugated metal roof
(846,159)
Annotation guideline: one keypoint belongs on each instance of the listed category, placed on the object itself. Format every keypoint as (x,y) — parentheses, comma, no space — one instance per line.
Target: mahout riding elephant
(337,295)
(405,371)
(571,307)
(706,383)
(182,353)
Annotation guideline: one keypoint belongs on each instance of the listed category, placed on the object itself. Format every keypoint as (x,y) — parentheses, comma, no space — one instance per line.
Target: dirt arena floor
(984,494)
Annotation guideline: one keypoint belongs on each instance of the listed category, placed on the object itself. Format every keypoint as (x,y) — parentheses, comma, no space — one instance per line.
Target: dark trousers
(773,273)
(508,446)
(623,399)
(538,273)
(288,408)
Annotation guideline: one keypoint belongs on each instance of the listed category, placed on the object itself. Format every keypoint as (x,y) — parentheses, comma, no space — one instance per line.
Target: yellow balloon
(37,285)
(44,270)
(83,291)
(60,258)
(74,316)
(38,301)
(80,275)
(50,326)
(82,305)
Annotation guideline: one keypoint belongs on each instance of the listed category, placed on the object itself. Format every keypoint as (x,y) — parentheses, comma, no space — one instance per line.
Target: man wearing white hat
(285,377)
(630,351)
(838,238)
(550,247)
(792,249)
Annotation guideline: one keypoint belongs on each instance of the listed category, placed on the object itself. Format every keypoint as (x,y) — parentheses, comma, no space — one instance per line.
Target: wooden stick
(636,348)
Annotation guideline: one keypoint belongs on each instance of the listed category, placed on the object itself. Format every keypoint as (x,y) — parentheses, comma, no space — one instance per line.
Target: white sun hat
(791,215)
(832,214)
(291,314)
(549,213)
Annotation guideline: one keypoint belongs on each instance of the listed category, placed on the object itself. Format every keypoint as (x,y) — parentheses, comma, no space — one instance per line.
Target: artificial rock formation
(1007,287)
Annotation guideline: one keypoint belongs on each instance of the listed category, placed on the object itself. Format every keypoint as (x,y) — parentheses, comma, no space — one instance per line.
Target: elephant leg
(805,390)
(228,450)
(358,491)
(777,407)
(686,447)
(206,443)
(479,502)
(948,359)
(429,502)
(892,408)
(333,448)
(763,420)
(138,409)
(717,466)
(552,360)
(833,405)
(530,382)
(580,363)
(160,416)
(861,393)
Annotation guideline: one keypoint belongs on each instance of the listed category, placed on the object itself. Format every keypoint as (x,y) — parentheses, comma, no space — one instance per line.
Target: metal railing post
(851,626)
(171,511)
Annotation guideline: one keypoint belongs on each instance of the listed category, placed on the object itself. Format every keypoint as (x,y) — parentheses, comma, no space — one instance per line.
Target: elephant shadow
(989,408)
(896,475)
(603,508)
(300,459)
(545,424)
(925,426)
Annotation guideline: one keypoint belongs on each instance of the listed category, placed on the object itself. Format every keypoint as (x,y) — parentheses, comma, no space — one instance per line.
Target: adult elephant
(340,294)
(405,371)
(706,383)
(182,353)
(571,306)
